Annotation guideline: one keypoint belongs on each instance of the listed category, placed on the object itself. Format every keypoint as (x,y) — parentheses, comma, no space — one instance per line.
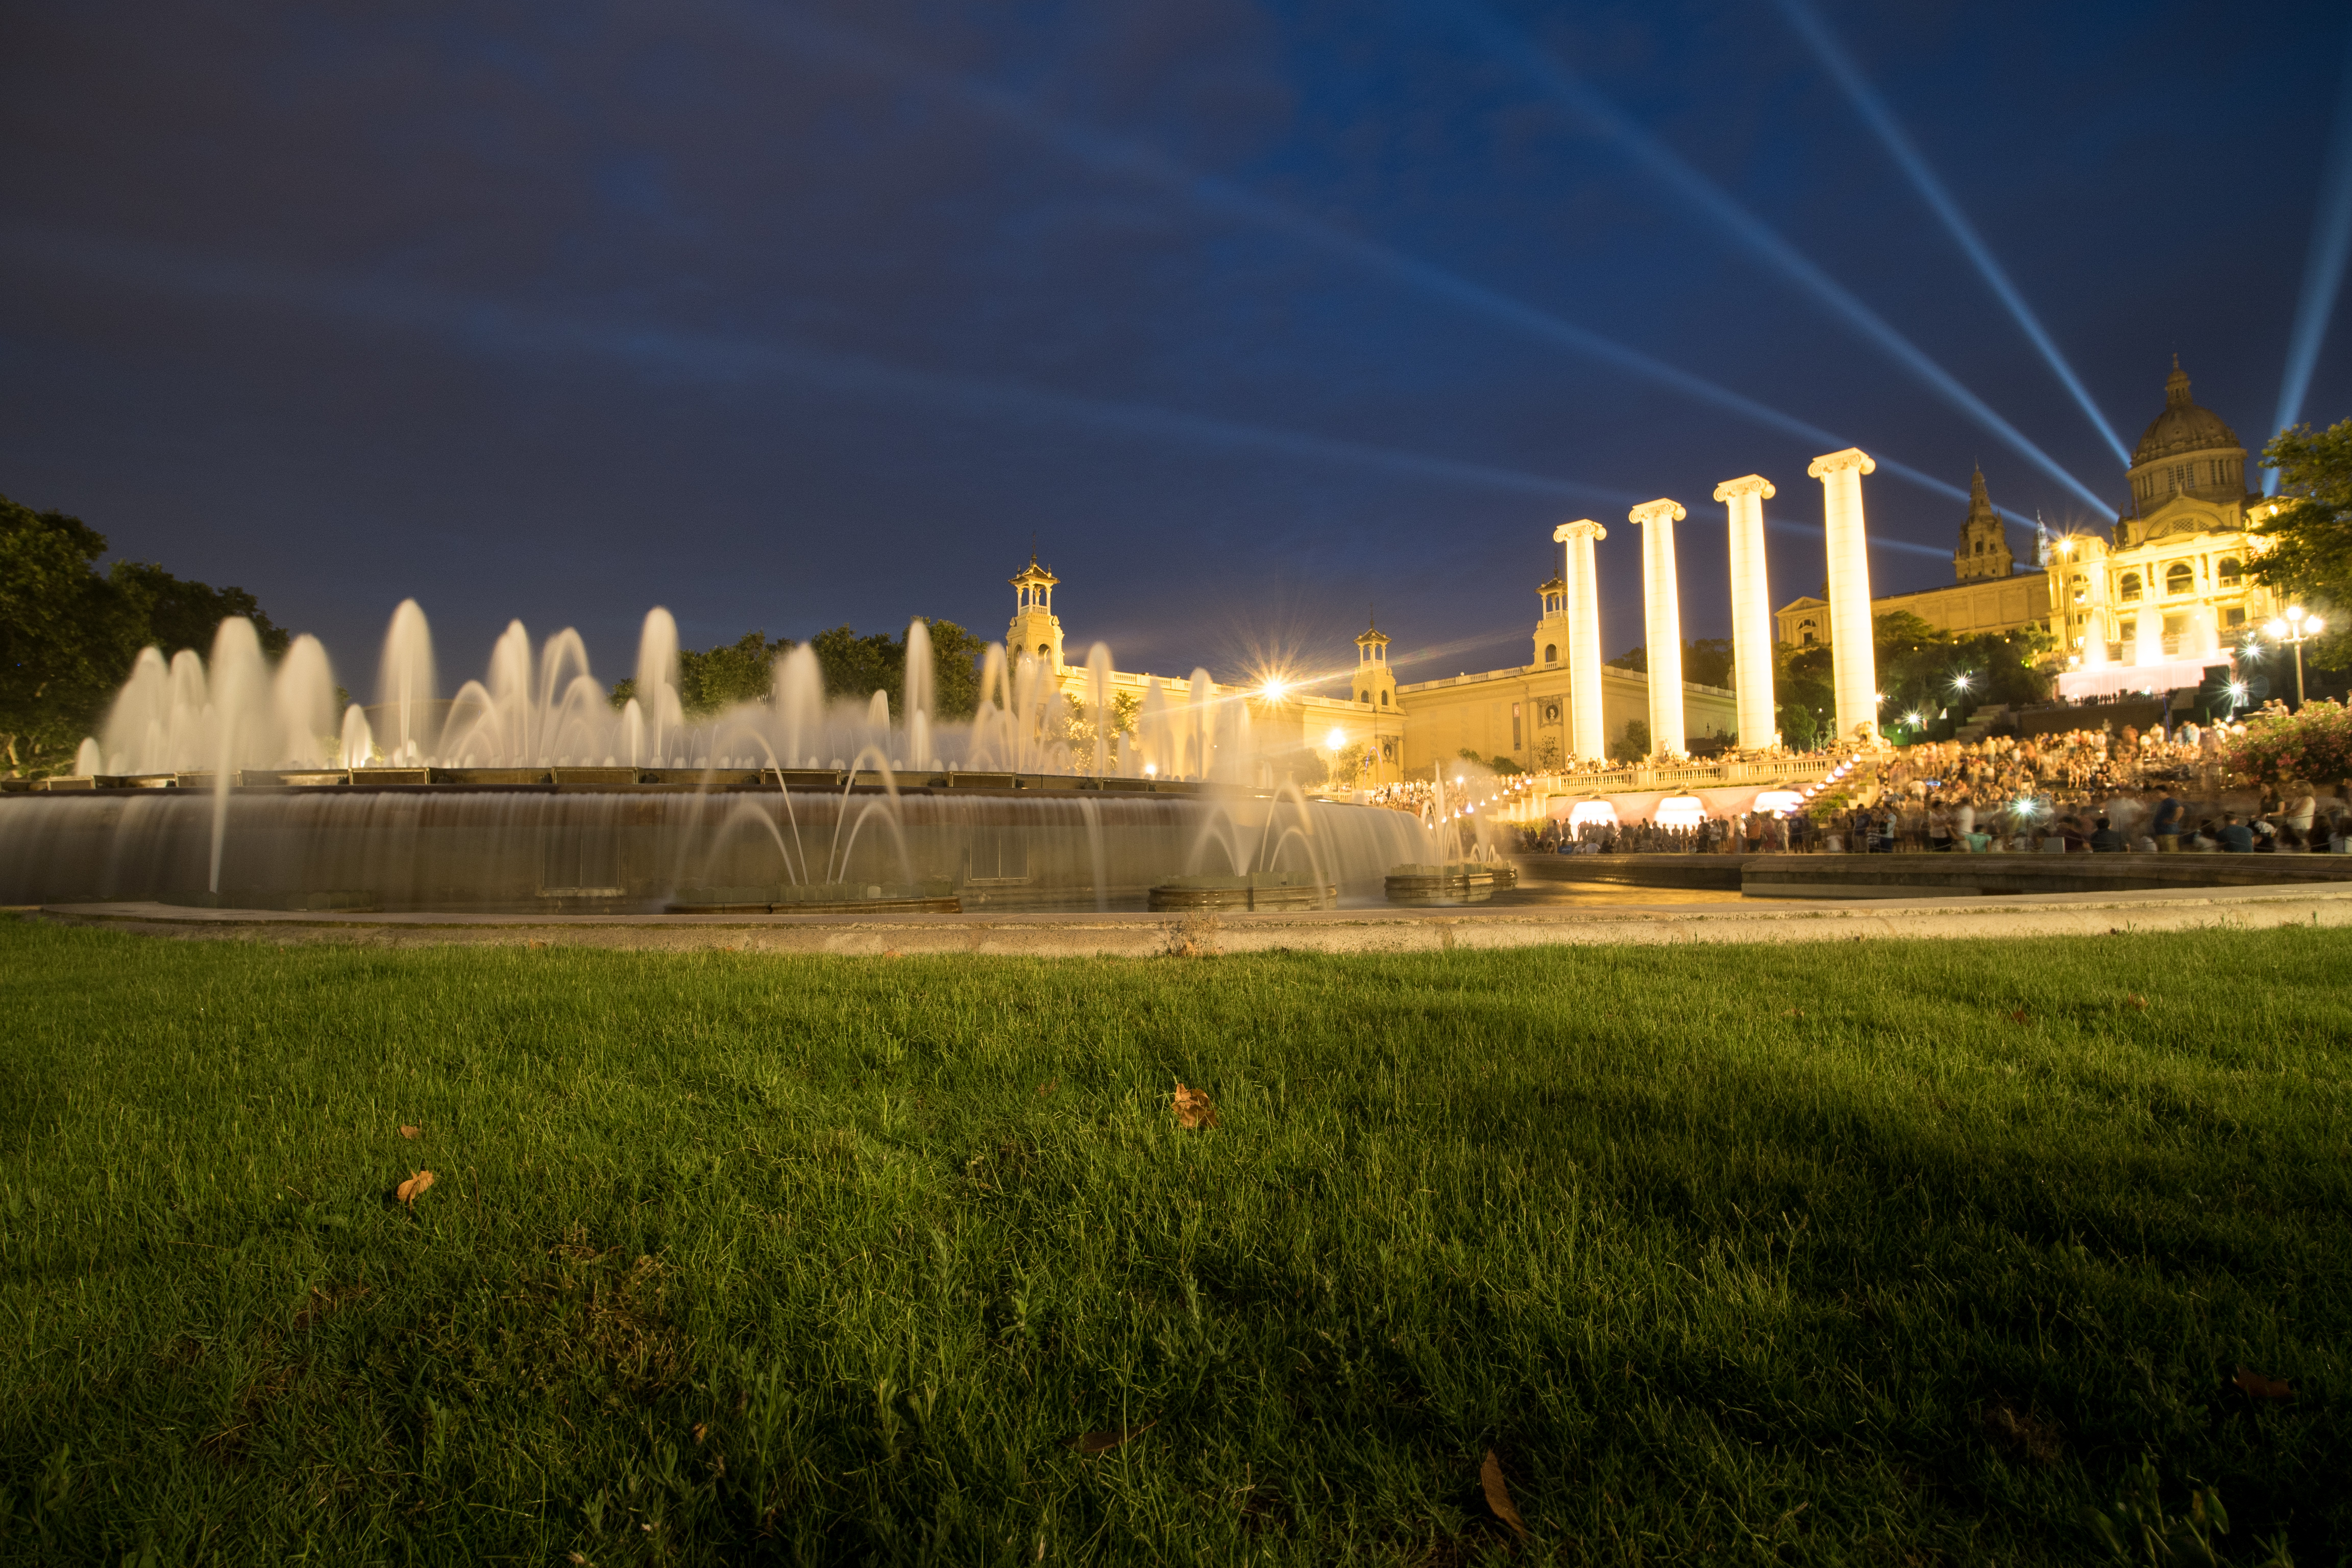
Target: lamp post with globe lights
(2292,629)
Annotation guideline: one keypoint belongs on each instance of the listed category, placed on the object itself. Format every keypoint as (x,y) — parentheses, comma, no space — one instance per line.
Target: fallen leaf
(1498,1495)
(2256,1387)
(1049,1086)
(1104,1442)
(701,1430)
(2134,1001)
(416,1187)
(411,1132)
(1795,1013)
(1193,1106)
(890,953)
(2018,1015)
(539,944)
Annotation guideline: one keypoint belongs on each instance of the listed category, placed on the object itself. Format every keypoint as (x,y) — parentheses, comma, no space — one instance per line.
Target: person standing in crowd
(1939,826)
(2301,809)
(2165,828)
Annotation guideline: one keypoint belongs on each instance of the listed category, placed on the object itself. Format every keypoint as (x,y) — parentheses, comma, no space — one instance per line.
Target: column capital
(1582,528)
(1747,485)
(1829,463)
(1659,511)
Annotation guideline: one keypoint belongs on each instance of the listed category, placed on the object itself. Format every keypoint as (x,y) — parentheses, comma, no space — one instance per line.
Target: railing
(1532,800)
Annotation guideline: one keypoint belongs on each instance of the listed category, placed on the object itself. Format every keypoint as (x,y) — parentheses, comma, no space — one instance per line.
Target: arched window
(2180,579)
(1384,698)
(2232,574)
(1044,649)
(1363,696)
(1551,653)
(2130,588)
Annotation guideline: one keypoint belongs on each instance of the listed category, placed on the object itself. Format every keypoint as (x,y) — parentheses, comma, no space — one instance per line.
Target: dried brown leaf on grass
(416,1187)
(2022,1432)
(2017,1015)
(1195,936)
(1193,1108)
(411,1132)
(1104,1442)
(1498,1495)
(2254,1386)
(2134,1001)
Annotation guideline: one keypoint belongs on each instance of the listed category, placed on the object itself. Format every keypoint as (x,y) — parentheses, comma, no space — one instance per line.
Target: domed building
(2162,597)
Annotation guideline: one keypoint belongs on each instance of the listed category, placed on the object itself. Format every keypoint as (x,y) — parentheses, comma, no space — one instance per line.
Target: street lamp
(2297,625)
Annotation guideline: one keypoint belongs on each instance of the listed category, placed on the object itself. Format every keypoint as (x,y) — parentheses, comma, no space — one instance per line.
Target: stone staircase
(1984,719)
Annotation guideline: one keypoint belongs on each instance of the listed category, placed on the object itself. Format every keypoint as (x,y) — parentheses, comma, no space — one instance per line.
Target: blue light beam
(1907,156)
(2323,267)
(1130,160)
(1752,232)
(485,325)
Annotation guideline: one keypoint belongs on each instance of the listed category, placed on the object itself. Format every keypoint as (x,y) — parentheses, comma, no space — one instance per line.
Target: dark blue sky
(789,315)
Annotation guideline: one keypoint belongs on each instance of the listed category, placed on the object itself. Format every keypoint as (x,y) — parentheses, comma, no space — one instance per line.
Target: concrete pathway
(1339,930)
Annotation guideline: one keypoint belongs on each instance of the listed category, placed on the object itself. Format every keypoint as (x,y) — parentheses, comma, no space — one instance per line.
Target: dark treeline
(712,679)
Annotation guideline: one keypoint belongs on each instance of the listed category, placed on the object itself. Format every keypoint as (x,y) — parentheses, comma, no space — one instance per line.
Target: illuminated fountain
(228,780)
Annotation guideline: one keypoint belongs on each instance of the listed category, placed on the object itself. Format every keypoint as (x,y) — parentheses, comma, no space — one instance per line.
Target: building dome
(2183,427)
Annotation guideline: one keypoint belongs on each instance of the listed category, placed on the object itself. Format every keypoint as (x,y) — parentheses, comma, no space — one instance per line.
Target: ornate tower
(1036,630)
(1375,683)
(1551,648)
(1984,544)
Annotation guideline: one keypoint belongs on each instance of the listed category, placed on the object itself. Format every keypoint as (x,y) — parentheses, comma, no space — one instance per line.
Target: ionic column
(1662,622)
(1751,609)
(1853,656)
(1588,737)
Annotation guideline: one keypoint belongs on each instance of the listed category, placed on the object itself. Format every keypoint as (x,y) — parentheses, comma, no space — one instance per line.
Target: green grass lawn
(1873,1253)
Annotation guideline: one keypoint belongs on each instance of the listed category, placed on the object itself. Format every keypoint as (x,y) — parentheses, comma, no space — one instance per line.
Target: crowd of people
(2296,823)
(2078,791)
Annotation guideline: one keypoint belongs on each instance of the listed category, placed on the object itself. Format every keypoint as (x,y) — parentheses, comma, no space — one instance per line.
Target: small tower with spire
(1551,626)
(1984,543)
(1036,630)
(1375,683)
(1375,697)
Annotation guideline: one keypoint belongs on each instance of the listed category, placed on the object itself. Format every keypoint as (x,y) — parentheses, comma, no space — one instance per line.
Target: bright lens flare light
(1336,740)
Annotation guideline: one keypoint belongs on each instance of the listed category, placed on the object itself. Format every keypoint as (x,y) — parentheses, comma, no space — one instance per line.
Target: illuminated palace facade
(2145,604)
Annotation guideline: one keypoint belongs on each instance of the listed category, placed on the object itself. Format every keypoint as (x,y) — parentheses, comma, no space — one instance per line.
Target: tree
(1707,661)
(179,613)
(63,632)
(68,634)
(854,667)
(2307,541)
(718,679)
(1633,744)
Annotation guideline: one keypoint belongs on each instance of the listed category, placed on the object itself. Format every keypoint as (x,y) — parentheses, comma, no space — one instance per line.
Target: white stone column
(1854,649)
(1751,609)
(1588,737)
(1662,623)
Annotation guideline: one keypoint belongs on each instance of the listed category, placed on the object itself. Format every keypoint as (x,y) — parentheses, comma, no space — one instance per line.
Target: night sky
(785,315)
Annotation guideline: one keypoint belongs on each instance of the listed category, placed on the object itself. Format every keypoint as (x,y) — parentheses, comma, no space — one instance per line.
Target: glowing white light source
(1778,800)
(1680,811)
(1274,688)
(1336,740)
(1594,813)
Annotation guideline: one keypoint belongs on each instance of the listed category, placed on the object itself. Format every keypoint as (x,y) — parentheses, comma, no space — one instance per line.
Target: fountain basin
(1458,882)
(663,843)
